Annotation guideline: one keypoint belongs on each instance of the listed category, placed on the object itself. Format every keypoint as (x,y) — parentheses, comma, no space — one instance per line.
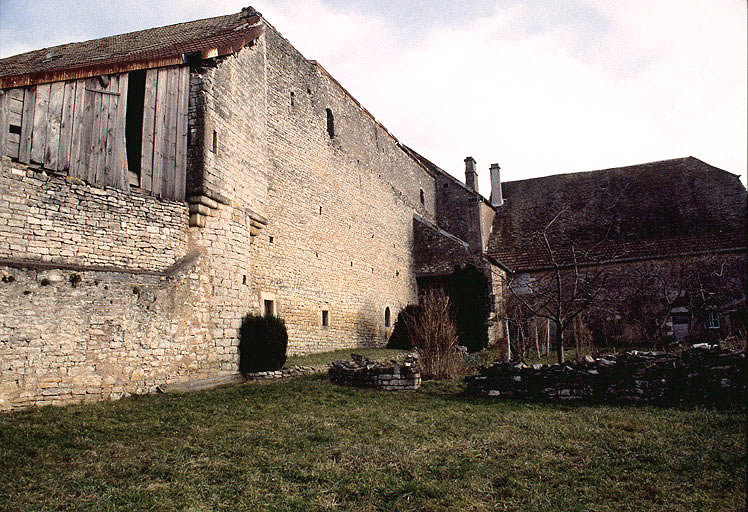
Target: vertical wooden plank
(119,160)
(66,126)
(4,123)
(92,135)
(169,137)
(109,175)
(54,119)
(41,111)
(27,124)
(149,124)
(76,169)
(100,151)
(180,177)
(158,132)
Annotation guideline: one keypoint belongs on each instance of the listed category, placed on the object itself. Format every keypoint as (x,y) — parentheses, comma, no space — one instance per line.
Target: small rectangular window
(214,145)
(15,129)
(325,318)
(269,307)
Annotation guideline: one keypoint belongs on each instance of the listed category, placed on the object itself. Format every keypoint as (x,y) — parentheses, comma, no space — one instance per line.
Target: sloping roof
(658,209)
(436,252)
(156,46)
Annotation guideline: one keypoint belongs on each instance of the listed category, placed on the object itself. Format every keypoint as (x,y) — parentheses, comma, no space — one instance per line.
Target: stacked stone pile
(702,374)
(363,373)
(294,371)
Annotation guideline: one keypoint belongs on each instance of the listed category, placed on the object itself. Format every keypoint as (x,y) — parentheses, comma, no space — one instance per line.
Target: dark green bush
(262,344)
(400,338)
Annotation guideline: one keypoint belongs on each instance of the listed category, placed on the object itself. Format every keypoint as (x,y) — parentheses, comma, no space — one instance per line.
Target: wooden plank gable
(79,127)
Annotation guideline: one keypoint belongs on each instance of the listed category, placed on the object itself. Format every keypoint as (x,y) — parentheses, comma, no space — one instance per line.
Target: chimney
(471,177)
(496,198)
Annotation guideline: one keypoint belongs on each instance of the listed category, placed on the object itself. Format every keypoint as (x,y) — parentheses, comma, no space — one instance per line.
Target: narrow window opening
(330,123)
(269,307)
(712,320)
(308,90)
(244,279)
(320,210)
(325,318)
(292,99)
(134,123)
(214,145)
(270,239)
(423,198)
(14,128)
(387,316)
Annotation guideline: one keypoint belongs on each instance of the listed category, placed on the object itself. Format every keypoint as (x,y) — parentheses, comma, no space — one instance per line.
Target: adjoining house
(671,234)
(157,186)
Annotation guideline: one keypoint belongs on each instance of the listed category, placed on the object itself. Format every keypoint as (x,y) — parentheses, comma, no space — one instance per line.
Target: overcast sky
(540,87)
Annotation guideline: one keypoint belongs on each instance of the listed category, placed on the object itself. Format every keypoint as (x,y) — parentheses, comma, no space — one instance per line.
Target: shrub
(262,344)
(400,338)
(469,294)
(434,334)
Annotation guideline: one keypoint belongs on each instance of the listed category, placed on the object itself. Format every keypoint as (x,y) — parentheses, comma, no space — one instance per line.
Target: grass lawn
(323,358)
(304,444)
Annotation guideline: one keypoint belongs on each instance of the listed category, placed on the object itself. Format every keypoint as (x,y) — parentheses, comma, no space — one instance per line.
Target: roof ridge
(609,169)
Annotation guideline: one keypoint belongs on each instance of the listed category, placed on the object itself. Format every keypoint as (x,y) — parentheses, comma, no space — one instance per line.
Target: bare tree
(572,281)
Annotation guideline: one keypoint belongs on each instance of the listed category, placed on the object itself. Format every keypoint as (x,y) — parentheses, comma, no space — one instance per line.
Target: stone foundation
(698,375)
(362,373)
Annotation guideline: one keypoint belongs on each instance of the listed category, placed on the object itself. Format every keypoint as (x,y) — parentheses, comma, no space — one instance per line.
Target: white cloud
(540,87)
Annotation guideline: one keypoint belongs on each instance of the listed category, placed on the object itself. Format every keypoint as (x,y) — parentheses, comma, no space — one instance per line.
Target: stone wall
(54,218)
(68,336)
(698,375)
(362,373)
(339,210)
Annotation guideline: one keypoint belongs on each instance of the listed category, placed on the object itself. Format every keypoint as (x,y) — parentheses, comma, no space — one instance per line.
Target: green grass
(323,358)
(304,444)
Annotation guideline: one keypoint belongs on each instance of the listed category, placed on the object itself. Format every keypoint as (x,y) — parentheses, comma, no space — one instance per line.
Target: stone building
(668,236)
(157,186)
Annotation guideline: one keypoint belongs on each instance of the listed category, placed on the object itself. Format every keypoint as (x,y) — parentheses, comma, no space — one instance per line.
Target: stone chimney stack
(471,177)
(496,198)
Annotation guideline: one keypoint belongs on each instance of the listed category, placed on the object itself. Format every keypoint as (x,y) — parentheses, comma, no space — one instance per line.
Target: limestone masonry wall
(49,217)
(297,199)
(76,336)
(88,334)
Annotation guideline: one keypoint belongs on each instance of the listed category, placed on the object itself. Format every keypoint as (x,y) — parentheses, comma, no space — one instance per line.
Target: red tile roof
(134,50)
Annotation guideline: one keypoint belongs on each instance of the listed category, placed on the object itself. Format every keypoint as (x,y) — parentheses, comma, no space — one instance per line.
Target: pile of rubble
(701,374)
(361,372)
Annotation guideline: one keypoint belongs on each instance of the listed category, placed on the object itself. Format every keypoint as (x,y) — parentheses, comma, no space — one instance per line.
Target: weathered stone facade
(297,200)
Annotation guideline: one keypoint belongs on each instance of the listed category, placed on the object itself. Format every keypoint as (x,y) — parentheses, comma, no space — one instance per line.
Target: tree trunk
(537,344)
(559,344)
(508,342)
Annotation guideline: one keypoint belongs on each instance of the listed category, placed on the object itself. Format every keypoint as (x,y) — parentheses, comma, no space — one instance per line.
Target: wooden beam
(158,132)
(182,121)
(79,110)
(4,123)
(54,120)
(119,161)
(27,124)
(149,124)
(39,136)
(66,126)
(169,139)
